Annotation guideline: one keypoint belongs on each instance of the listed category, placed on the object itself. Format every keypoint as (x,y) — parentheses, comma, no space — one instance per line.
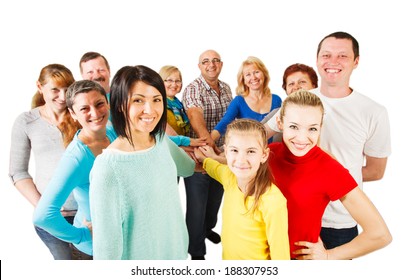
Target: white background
(155,33)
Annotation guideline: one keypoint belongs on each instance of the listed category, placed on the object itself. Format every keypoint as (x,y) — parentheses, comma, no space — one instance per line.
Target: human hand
(88,225)
(199,154)
(197,142)
(207,151)
(311,251)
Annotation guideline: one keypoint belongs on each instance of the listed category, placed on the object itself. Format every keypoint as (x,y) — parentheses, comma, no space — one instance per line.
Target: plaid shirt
(200,94)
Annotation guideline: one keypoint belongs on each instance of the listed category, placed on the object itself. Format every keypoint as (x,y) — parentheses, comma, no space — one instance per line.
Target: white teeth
(332,70)
(97,120)
(147,120)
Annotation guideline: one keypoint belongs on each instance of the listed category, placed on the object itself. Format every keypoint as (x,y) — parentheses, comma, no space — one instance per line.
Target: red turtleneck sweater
(308,183)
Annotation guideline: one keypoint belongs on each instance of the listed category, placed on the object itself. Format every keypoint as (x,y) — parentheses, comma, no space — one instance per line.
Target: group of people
(290,188)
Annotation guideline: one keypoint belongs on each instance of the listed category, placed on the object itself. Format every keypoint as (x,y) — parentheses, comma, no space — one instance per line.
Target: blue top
(239,109)
(71,174)
(181,140)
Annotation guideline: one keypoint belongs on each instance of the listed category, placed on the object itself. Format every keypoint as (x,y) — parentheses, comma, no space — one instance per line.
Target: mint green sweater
(135,203)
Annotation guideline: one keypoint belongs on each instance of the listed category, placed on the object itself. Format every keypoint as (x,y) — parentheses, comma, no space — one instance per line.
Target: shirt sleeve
(231,114)
(220,172)
(20,151)
(191,97)
(106,211)
(379,143)
(47,215)
(184,163)
(275,216)
(272,122)
(180,140)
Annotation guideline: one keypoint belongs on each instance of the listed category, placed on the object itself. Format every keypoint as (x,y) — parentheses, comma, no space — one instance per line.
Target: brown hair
(264,178)
(62,77)
(299,67)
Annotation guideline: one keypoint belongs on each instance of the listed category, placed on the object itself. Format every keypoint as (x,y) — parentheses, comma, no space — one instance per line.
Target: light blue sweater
(72,174)
(135,203)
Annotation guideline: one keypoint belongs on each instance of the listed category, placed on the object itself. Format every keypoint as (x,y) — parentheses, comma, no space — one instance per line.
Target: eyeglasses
(207,61)
(177,82)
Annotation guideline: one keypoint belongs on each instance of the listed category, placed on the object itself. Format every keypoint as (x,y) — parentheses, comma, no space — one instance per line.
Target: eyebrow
(139,94)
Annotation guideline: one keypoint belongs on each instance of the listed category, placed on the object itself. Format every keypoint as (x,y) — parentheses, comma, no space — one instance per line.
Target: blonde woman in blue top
(254,99)
(88,105)
(135,203)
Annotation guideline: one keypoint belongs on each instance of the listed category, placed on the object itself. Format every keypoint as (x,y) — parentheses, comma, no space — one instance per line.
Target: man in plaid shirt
(205,100)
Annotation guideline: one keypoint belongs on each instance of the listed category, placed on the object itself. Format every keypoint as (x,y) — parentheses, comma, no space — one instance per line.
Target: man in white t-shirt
(356,129)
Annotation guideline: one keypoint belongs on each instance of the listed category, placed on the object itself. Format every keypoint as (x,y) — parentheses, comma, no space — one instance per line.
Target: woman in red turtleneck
(309,178)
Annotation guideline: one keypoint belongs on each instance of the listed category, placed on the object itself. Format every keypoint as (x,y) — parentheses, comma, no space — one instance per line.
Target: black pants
(333,237)
(204,197)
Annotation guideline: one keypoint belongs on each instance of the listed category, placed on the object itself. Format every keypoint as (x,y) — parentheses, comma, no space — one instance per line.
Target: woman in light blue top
(88,105)
(135,203)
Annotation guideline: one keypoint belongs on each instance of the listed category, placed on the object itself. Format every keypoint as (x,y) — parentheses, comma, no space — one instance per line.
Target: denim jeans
(79,255)
(59,249)
(333,237)
(204,196)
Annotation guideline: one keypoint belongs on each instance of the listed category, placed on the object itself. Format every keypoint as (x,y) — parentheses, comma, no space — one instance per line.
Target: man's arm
(374,169)
(196,117)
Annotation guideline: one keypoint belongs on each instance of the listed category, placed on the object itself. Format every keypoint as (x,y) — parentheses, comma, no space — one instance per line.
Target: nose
(62,95)
(296,87)
(302,135)
(147,108)
(240,157)
(93,111)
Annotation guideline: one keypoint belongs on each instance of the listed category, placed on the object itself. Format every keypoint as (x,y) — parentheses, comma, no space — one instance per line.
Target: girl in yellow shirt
(254,214)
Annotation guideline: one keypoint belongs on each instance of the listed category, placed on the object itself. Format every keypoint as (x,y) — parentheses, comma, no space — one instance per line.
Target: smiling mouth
(300,146)
(332,71)
(147,120)
(97,120)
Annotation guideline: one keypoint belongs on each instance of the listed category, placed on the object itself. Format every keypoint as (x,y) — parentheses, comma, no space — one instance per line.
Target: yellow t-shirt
(262,235)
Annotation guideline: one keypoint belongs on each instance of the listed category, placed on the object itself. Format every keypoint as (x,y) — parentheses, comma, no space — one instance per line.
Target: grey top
(31,134)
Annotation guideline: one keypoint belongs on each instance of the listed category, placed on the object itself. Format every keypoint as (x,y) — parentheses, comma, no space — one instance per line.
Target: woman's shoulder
(29,116)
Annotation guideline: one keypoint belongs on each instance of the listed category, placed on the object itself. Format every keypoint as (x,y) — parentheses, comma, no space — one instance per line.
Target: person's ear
(73,115)
(279,123)
(265,155)
(356,63)
(39,86)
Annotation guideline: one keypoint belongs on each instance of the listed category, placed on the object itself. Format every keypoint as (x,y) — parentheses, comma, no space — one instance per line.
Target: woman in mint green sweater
(134,198)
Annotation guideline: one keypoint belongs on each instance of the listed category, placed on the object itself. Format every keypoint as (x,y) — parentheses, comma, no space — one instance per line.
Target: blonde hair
(301,97)
(241,88)
(264,178)
(167,70)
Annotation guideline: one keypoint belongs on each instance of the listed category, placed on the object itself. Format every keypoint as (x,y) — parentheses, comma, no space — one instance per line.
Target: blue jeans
(61,250)
(204,197)
(333,237)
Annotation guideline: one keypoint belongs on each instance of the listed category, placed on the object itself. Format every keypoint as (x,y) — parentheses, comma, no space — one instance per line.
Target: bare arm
(28,189)
(269,131)
(196,117)
(374,169)
(215,135)
(170,131)
(375,234)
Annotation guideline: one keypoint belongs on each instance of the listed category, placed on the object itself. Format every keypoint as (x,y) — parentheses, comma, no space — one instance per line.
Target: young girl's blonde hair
(264,178)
